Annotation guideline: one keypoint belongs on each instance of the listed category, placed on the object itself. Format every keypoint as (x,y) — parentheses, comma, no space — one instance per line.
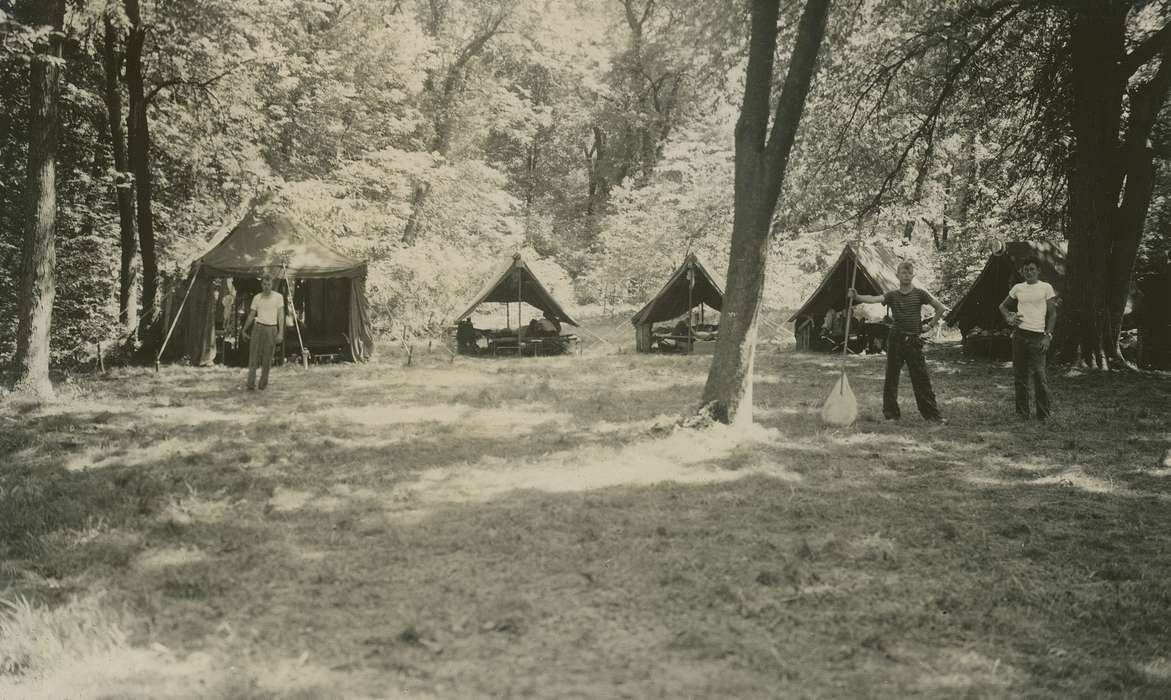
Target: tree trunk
(127,276)
(968,178)
(917,194)
(445,105)
(597,185)
(760,173)
(1138,163)
(411,230)
(139,147)
(1096,49)
(39,255)
(1104,233)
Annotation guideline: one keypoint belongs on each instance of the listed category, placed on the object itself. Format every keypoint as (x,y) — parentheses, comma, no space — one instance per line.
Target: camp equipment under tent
(514,283)
(690,286)
(977,314)
(876,275)
(330,318)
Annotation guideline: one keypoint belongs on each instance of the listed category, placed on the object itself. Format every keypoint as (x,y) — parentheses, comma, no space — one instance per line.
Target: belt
(270,325)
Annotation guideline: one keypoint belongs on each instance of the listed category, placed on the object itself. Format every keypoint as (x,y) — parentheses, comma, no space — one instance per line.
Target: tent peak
(689,285)
(503,287)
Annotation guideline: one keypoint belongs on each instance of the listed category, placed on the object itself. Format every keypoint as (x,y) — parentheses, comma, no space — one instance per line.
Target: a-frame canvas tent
(877,274)
(513,282)
(332,294)
(978,309)
(689,286)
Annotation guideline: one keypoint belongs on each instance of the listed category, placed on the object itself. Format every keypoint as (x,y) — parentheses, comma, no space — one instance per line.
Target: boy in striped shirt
(905,343)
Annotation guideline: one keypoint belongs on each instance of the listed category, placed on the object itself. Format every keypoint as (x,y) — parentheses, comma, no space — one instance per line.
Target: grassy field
(538,528)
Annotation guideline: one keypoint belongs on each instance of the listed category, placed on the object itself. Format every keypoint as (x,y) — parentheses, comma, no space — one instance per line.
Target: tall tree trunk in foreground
(39,255)
(1111,174)
(139,145)
(124,194)
(760,172)
(1096,49)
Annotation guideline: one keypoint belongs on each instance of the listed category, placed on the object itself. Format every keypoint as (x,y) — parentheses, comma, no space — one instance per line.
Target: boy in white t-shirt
(267,315)
(1033,323)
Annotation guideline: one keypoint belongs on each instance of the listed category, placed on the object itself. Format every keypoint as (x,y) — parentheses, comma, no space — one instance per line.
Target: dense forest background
(433,137)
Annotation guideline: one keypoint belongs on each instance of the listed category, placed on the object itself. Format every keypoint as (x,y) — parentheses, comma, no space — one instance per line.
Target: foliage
(596,135)
(86,224)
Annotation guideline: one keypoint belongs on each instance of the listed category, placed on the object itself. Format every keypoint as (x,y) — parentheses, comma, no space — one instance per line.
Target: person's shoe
(250,388)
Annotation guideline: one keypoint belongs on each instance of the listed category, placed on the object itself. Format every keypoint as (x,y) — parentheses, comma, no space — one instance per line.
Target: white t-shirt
(268,307)
(1031,304)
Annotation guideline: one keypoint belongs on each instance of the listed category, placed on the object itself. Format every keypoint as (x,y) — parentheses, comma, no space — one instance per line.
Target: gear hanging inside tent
(841,407)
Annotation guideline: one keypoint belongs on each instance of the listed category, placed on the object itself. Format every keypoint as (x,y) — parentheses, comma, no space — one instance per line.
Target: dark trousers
(260,350)
(900,348)
(1028,365)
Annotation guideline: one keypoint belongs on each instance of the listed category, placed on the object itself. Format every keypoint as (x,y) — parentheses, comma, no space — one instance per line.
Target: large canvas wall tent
(977,314)
(537,333)
(327,309)
(689,287)
(876,274)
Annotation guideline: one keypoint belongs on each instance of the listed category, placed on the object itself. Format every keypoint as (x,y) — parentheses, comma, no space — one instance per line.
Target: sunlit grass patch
(1076,477)
(81,650)
(964,670)
(35,641)
(684,456)
(160,559)
(191,507)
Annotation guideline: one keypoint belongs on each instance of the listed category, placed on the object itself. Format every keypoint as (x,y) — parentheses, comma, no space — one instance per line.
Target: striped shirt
(907,309)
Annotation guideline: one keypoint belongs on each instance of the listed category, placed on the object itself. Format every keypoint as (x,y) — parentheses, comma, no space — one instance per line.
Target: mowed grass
(540,528)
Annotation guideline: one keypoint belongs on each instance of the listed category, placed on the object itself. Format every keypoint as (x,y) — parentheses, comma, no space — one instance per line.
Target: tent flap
(361,336)
(690,285)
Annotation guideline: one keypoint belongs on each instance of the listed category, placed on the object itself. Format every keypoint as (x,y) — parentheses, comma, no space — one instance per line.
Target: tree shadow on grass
(888,561)
(887,573)
(767,586)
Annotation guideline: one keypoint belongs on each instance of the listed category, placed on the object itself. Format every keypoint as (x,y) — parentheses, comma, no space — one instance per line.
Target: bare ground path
(535,529)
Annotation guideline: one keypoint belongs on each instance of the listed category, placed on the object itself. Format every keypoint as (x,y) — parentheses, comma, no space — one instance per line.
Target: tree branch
(1146,50)
(927,126)
(202,85)
(477,43)
(752,127)
(790,105)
